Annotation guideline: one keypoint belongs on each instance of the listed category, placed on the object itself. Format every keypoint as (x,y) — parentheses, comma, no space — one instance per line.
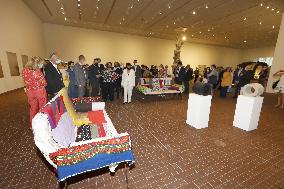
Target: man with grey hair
(53,76)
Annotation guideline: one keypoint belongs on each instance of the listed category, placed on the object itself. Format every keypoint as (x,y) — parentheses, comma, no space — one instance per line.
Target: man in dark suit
(188,77)
(94,77)
(53,76)
(138,72)
(80,76)
(244,78)
(179,73)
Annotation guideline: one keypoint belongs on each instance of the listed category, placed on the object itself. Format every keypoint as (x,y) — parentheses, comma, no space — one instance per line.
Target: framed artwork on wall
(13,64)
(1,70)
(25,60)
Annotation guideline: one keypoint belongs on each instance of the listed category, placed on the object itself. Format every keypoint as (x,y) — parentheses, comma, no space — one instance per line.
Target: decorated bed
(158,87)
(77,142)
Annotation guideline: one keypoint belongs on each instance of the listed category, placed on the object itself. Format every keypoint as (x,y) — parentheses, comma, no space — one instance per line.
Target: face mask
(40,66)
(58,61)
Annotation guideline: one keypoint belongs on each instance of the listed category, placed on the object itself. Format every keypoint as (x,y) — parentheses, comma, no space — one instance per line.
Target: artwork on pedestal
(25,60)
(13,64)
(1,71)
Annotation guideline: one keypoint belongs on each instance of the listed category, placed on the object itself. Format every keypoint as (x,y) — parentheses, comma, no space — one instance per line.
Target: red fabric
(101,130)
(161,83)
(96,117)
(33,79)
(37,99)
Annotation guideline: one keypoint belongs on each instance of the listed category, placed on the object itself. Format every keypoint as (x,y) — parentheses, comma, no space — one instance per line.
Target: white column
(278,60)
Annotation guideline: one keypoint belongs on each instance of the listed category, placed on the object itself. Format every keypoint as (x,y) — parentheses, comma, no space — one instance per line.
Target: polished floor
(169,154)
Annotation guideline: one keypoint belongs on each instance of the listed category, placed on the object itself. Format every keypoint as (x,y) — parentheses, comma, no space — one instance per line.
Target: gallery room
(142,94)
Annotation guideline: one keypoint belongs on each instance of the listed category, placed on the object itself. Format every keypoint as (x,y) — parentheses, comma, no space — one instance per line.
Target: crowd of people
(43,79)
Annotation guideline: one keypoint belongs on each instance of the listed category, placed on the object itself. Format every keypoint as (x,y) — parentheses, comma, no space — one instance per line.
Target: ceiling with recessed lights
(230,23)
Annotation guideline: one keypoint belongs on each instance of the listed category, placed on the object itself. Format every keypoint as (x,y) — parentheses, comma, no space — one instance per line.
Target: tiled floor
(169,154)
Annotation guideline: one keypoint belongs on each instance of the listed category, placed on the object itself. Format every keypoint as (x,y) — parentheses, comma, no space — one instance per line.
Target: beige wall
(70,42)
(278,61)
(21,32)
(252,54)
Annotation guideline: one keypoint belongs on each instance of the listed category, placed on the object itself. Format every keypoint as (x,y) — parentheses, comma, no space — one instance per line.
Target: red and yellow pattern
(76,154)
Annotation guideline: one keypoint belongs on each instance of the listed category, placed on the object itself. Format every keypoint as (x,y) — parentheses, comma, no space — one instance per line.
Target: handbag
(274,85)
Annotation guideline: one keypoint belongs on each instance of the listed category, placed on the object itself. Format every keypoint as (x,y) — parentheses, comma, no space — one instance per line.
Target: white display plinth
(198,110)
(247,112)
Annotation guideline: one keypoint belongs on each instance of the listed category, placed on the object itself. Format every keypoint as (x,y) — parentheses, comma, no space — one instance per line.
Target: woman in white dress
(128,82)
(280,89)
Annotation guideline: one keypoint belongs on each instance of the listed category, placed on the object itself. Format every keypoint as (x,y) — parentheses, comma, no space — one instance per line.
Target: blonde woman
(35,85)
(280,89)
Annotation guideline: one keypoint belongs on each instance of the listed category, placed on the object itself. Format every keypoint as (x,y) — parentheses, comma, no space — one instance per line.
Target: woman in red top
(35,85)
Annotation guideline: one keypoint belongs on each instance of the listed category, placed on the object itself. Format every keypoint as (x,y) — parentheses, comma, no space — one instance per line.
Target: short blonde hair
(33,62)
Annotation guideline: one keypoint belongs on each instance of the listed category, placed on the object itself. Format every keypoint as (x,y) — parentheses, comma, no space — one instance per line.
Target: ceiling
(230,23)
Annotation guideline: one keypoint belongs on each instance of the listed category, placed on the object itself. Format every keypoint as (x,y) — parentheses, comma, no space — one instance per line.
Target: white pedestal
(247,112)
(198,110)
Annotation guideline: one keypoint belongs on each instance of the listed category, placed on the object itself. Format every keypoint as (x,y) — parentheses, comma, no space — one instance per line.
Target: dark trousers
(223,92)
(95,88)
(118,87)
(186,87)
(107,91)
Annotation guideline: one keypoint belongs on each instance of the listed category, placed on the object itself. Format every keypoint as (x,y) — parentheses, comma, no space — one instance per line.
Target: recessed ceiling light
(272,9)
(65,18)
(131,6)
(260,23)
(200,32)
(267,7)
(209,30)
(174,22)
(160,12)
(206,7)
(169,6)
(63,13)
(245,41)
(273,26)
(61,8)
(192,35)
(183,38)
(193,12)
(278,11)
(97,7)
(78,4)
(261,4)
(213,35)
(225,37)
(119,22)
(150,33)
(245,18)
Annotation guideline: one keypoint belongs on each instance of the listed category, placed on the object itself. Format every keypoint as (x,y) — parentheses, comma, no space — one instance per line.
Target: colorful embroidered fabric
(88,132)
(76,154)
(86,100)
